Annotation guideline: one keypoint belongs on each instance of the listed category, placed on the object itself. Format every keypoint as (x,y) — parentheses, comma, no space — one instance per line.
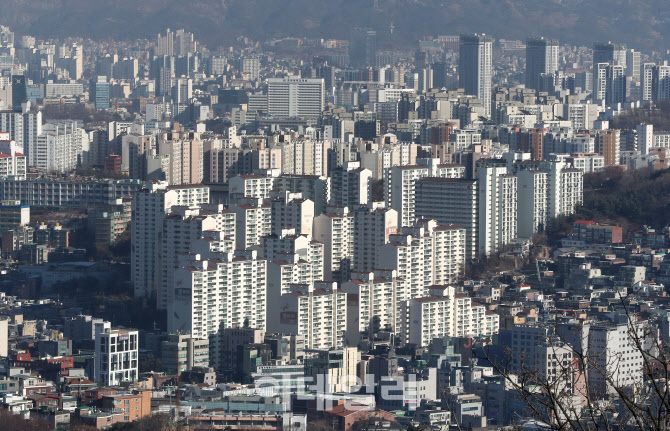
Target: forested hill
(641,24)
(630,198)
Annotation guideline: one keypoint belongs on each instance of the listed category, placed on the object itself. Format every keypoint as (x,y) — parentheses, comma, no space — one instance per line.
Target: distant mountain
(641,24)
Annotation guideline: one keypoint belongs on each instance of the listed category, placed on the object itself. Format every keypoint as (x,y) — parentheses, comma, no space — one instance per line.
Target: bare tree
(592,376)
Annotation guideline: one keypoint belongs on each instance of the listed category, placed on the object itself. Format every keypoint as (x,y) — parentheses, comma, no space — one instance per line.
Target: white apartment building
(276,246)
(253,222)
(13,164)
(186,156)
(564,187)
(448,253)
(249,186)
(295,97)
(581,144)
(312,187)
(400,191)
(66,193)
(182,226)
(305,156)
(614,359)
(400,186)
(149,206)
(645,138)
(116,356)
(319,313)
(350,185)
(372,229)
(394,94)
(531,202)
(252,66)
(446,313)
(372,300)
(425,255)
(497,208)
(219,290)
(588,162)
(290,210)
(24,126)
(335,230)
(59,148)
(378,159)
(290,269)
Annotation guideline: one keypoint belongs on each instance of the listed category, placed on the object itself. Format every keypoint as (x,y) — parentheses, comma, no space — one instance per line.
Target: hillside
(630,198)
(641,24)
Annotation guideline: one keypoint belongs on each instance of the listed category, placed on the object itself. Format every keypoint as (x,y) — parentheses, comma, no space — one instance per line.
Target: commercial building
(13,215)
(181,352)
(363,47)
(475,67)
(99,92)
(295,97)
(541,58)
(116,356)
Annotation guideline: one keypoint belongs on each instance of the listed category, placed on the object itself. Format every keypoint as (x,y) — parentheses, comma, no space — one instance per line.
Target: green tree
(150,363)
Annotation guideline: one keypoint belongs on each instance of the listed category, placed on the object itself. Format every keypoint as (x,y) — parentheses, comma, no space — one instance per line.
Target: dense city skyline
(396,226)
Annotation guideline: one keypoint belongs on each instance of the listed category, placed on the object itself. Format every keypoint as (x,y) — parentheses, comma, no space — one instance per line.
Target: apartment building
(531,202)
(350,185)
(446,313)
(182,226)
(372,303)
(149,206)
(335,230)
(400,188)
(290,269)
(423,254)
(373,226)
(291,210)
(317,312)
(218,290)
(253,222)
(451,201)
(277,246)
(497,208)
